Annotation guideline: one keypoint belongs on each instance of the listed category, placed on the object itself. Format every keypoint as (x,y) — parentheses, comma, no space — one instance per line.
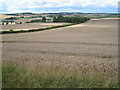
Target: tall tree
(43,19)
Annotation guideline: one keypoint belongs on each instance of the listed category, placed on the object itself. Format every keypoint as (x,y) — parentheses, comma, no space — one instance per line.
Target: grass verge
(20,77)
(33,30)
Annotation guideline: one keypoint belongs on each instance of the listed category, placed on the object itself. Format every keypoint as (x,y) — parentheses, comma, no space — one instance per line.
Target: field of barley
(79,56)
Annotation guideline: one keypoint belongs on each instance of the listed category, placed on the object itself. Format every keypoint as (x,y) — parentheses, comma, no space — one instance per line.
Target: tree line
(70,19)
(37,20)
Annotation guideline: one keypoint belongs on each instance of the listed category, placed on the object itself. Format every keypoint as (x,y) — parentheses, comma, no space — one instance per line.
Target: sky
(53,6)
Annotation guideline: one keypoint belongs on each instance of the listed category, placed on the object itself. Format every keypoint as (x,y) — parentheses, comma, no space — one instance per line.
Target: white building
(49,19)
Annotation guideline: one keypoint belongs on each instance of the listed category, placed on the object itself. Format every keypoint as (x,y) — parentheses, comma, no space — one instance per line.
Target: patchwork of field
(91,47)
(27,20)
(26,26)
(2,16)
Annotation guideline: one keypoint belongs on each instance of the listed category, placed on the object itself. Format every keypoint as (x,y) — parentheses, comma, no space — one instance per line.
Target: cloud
(33,5)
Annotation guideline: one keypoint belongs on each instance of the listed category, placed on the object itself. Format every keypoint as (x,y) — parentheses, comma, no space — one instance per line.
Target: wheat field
(82,55)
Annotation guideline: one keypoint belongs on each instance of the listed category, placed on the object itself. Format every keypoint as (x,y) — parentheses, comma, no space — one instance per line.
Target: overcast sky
(39,6)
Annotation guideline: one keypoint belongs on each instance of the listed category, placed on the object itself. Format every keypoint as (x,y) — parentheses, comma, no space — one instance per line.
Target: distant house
(11,22)
(49,19)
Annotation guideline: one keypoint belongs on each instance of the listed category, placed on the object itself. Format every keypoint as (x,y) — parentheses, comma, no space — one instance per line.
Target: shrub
(11,30)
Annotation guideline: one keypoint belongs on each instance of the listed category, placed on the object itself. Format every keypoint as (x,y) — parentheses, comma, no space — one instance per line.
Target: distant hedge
(38,20)
(33,30)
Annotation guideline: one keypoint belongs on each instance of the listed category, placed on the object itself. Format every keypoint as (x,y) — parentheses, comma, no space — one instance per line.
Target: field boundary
(34,30)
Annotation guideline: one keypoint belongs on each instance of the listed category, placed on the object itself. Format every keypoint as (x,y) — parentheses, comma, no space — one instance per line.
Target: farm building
(49,19)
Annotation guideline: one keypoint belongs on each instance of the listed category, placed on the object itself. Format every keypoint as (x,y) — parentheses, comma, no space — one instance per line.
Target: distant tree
(2,23)
(20,22)
(43,19)
(38,20)
(11,30)
(60,18)
(54,19)
(6,23)
(11,18)
(22,16)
